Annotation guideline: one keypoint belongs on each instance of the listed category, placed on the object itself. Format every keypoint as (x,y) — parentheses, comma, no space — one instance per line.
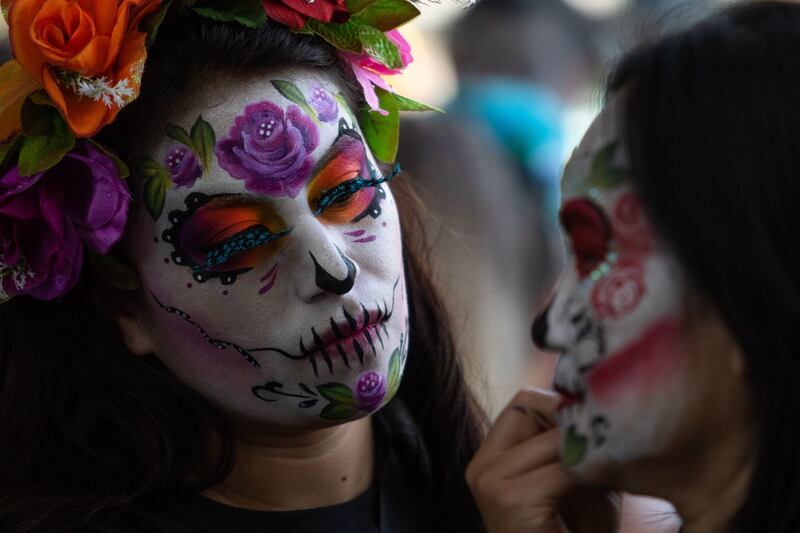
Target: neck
(707,489)
(296,470)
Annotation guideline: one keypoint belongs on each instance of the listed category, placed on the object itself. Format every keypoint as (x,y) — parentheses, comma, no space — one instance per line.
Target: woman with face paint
(675,317)
(237,366)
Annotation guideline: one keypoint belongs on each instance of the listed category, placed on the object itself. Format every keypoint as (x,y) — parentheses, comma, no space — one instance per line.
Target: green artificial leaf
(122,168)
(248,13)
(179,134)
(292,93)
(152,22)
(41,98)
(337,393)
(407,104)
(379,47)
(382,132)
(338,411)
(157,182)
(8,152)
(46,138)
(204,140)
(114,272)
(343,36)
(356,6)
(575,448)
(387,15)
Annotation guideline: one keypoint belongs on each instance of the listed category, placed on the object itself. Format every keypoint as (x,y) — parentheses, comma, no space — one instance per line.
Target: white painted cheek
(559,319)
(662,296)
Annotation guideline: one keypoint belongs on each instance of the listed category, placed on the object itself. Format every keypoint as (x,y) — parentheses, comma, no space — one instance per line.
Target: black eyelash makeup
(216,230)
(348,188)
(252,237)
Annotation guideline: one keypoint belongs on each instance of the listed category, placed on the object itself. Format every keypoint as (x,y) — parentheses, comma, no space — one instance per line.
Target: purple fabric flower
(370,390)
(183,166)
(270,151)
(46,219)
(323,103)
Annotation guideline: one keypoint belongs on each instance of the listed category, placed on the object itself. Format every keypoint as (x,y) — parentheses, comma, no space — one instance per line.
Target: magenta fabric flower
(183,166)
(369,71)
(370,390)
(323,103)
(47,219)
(269,151)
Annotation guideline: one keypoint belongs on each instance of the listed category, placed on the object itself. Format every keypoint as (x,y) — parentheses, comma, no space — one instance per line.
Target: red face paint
(639,367)
(589,232)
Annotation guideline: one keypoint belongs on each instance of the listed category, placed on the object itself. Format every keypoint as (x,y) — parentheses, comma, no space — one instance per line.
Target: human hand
(519,484)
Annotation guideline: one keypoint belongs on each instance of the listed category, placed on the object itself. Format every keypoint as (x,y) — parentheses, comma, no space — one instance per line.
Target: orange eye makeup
(223,236)
(345,188)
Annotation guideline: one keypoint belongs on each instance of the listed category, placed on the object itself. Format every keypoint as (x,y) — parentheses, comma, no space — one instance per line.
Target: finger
(530,412)
(526,456)
(549,482)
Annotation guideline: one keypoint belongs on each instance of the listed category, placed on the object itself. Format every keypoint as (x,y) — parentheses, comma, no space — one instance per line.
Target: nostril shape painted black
(328,283)
(539,329)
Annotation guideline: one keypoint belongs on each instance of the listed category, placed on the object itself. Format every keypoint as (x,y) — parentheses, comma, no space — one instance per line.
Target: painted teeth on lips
(354,325)
(569,396)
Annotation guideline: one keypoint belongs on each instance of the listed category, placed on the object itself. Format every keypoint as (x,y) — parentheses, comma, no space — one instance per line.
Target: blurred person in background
(677,308)
(490,168)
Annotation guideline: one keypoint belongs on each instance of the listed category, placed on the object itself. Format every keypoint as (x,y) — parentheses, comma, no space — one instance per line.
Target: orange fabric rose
(88,54)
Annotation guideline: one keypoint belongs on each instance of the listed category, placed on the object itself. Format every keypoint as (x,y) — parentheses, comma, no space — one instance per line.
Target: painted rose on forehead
(270,150)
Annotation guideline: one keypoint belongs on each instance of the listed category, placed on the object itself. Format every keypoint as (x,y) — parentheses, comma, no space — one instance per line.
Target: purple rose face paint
(270,255)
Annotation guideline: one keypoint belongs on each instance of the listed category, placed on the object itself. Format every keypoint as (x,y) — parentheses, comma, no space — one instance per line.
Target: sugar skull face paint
(616,316)
(272,273)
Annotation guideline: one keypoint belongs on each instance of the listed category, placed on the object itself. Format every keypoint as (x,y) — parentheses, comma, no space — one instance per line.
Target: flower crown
(77,63)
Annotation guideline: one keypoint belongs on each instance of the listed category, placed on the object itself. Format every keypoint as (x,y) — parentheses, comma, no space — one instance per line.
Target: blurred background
(520,81)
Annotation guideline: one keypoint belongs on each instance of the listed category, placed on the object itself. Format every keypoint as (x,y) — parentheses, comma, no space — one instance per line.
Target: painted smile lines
(355,336)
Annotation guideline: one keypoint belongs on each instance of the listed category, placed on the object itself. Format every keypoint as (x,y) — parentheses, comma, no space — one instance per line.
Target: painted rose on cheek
(631,228)
(370,390)
(619,293)
(270,151)
(183,166)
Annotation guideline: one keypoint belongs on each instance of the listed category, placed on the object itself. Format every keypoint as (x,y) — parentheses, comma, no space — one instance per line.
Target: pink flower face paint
(290,321)
(615,316)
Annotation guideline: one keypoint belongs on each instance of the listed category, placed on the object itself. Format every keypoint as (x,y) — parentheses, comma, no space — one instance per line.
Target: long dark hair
(713,125)
(89,429)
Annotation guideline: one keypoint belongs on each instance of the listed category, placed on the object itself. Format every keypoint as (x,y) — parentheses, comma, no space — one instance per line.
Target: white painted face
(273,276)
(616,316)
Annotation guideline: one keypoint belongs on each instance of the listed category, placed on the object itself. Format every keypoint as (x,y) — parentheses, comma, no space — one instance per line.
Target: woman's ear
(135,337)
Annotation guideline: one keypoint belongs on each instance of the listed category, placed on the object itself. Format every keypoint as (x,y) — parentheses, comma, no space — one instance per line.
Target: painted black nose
(539,329)
(329,283)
